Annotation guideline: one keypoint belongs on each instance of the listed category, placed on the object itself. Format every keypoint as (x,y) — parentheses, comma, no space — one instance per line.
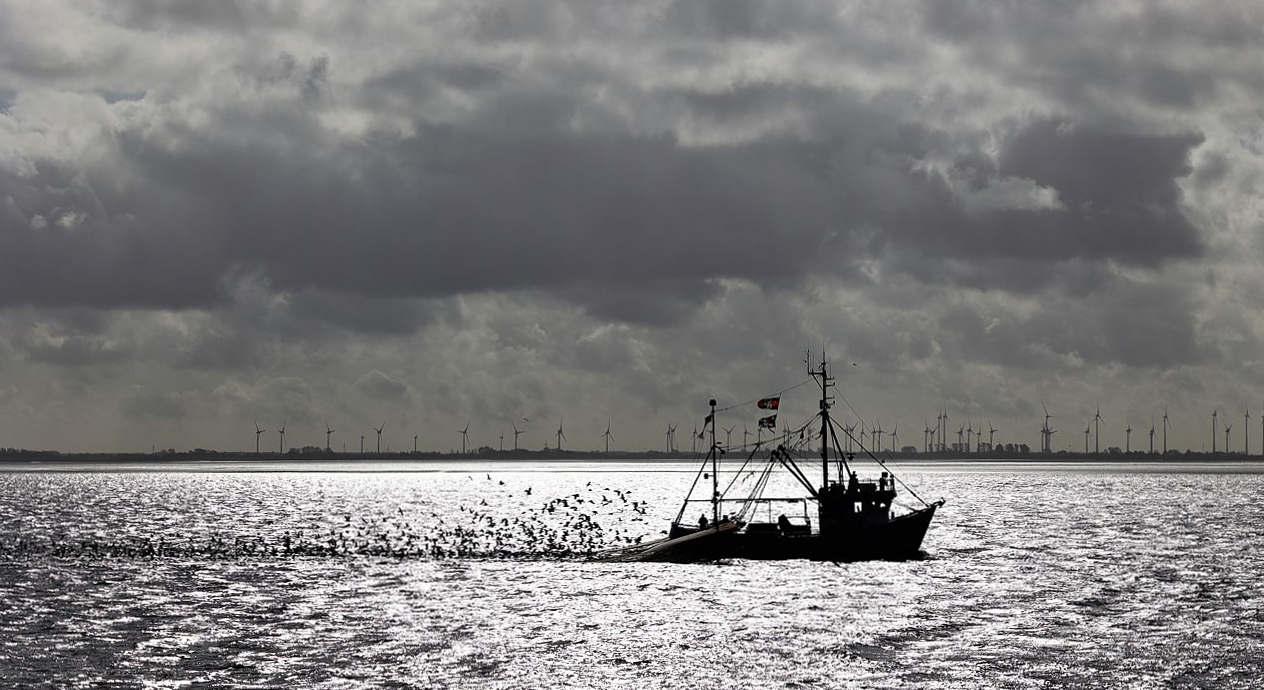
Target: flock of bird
(559,528)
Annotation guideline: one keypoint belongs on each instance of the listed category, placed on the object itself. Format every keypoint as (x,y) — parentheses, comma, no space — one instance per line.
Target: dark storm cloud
(461,209)
(1118,201)
(72,350)
(142,403)
(500,203)
(192,15)
(1096,56)
(449,211)
(625,213)
(1124,186)
(651,301)
(1135,324)
(65,241)
(378,385)
(747,19)
(360,313)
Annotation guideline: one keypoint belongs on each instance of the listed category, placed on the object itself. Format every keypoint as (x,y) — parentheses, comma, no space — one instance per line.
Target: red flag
(769,403)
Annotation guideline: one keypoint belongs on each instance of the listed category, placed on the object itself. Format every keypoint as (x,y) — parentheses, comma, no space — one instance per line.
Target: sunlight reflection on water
(1044,577)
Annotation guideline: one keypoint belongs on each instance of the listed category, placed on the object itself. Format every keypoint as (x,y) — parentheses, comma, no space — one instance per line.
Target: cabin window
(858,507)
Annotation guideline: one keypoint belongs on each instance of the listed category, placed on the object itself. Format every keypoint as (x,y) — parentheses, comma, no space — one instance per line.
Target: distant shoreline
(483,455)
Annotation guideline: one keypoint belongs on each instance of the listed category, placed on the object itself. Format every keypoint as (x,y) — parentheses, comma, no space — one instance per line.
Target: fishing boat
(855,517)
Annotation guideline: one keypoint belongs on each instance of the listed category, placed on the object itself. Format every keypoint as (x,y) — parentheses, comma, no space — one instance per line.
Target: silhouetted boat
(855,519)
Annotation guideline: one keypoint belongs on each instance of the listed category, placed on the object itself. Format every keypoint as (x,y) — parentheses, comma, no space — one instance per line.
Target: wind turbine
(560,436)
(1045,433)
(415,443)
(1151,436)
(1246,432)
(502,441)
(378,429)
(1213,430)
(328,432)
(1087,430)
(607,436)
(465,435)
(895,437)
(1097,421)
(991,434)
(728,436)
(1165,429)
(969,433)
(258,432)
(939,418)
(877,436)
(281,447)
(693,440)
(745,435)
(516,434)
(1227,428)
(960,432)
(1128,438)
(361,444)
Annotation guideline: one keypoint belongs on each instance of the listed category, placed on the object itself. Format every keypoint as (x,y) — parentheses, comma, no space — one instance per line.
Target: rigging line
(787,461)
(901,481)
(744,446)
(739,474)
(862,427)
(803,458)
(843,465)
(853,438)
(772,439)
(803,427)
(780,392)
(879,460)
(681,515)
(853,410)
(760,485)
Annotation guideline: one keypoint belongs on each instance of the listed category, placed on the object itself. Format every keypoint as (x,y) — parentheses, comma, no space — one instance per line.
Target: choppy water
(1048,576)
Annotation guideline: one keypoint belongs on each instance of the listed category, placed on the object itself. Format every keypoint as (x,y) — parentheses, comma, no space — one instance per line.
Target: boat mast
(715,476)
(826,383)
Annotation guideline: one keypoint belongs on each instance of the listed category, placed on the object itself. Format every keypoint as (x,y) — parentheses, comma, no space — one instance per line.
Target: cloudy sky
(426,213)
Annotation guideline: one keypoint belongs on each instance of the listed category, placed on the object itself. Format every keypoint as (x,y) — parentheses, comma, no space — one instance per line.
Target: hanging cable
(878,460)
(738,475)
(774,395)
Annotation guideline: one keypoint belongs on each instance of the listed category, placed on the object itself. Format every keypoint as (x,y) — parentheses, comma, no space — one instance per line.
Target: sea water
(1035,575)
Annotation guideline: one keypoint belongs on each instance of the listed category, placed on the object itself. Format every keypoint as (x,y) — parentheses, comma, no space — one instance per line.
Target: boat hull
(897,539)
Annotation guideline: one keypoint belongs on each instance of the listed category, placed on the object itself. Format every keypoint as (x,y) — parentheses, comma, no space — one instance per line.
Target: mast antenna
(825,381)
